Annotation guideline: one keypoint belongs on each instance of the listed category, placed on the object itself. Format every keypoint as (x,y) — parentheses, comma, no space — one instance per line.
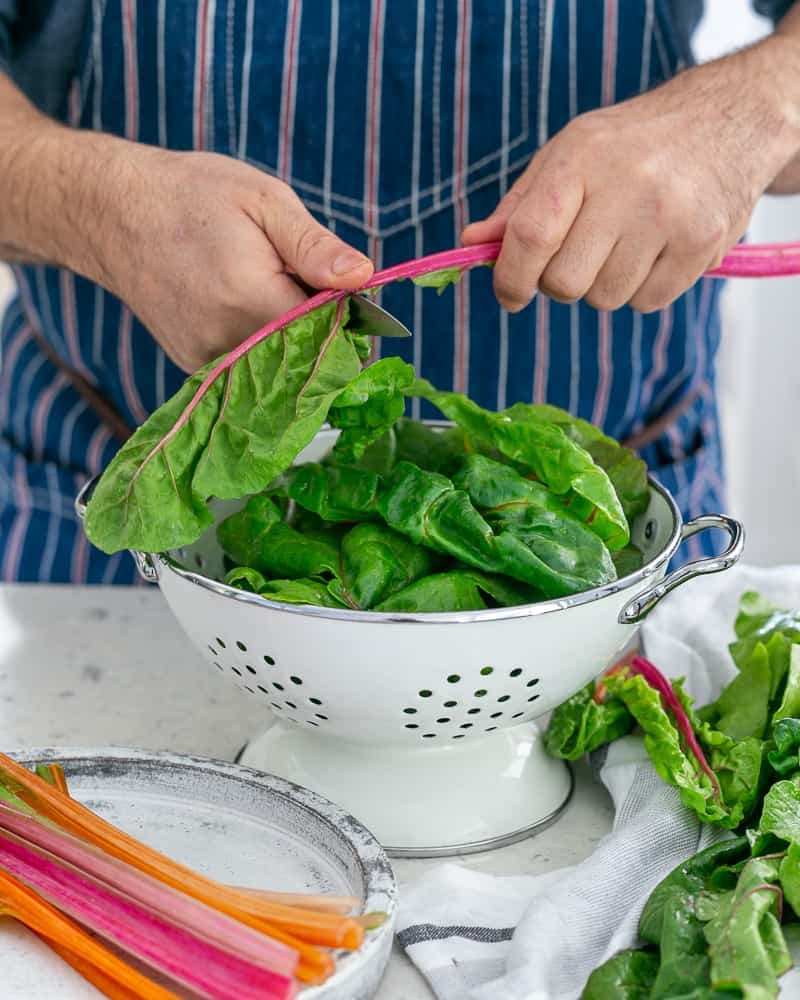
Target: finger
(671,276)
(534,234)
(318,256)
(625,271)
(494,226)
(588,245)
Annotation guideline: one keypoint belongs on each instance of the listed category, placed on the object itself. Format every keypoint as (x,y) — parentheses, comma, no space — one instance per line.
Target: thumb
(311,251)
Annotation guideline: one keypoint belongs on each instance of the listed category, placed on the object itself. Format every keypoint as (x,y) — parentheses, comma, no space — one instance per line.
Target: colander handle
(144,563)
(641,606)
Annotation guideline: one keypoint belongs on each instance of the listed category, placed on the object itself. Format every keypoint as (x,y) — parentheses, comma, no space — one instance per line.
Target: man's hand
(633,203)
(201,247)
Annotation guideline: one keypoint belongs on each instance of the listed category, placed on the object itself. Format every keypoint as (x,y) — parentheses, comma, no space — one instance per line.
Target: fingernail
(348,261)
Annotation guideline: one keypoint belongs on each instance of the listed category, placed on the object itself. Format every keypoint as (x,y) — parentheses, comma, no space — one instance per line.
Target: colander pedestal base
(484,793)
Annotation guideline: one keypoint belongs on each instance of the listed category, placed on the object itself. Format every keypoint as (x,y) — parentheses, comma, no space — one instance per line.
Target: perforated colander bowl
(422,725)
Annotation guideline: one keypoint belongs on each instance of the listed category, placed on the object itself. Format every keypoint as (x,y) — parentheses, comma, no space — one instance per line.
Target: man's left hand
(631,204)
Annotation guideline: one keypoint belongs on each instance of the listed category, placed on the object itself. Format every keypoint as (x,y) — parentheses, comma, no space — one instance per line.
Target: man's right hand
(199,246)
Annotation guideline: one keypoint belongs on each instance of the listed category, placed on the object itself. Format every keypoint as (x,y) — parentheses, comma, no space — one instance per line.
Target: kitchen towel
(476,936)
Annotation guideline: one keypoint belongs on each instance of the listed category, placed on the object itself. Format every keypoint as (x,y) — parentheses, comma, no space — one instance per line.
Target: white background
(759,386)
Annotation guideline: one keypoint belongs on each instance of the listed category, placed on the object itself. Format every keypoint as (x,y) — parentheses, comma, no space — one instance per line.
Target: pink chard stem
(653,676)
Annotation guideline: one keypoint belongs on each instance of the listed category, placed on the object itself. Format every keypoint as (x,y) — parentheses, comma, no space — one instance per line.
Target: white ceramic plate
(227,821)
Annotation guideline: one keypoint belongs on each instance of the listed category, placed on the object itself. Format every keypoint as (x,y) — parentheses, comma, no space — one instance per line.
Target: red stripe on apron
(460,378)
(200,80)
(131,70)
(287,111)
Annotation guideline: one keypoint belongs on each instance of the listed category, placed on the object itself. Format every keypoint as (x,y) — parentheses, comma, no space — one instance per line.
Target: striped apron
(396,121)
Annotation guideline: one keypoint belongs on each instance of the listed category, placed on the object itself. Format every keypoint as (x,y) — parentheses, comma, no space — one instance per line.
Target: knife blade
(368,317)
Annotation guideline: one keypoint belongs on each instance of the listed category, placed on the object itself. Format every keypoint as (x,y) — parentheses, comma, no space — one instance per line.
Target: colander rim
(165,561)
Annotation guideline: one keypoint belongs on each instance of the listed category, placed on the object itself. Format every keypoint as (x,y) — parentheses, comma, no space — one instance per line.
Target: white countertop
(94,666)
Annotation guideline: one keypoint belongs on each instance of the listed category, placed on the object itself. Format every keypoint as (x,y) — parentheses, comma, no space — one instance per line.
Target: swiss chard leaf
(628,975)
(246,578)
(745,943)
(663,743)
(758,620)
(627,472)
(743,707)
(376,562)
(627,560)
(257,536)
(230,430)
(784,754)
(549,552)
(439,279)
(434,450)
(550,454)
(314,592)
(545,552)
(780,814)
(789,707)
(789,875)
(581,724)
(688,879)
(333,493)
(367,408)
(309,591)
(457,590)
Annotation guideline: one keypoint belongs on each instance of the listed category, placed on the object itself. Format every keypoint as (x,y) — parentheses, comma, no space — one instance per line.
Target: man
(161,225)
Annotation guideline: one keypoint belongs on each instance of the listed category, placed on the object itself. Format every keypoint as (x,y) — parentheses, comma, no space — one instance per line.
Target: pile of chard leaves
(716,926)
(502,509)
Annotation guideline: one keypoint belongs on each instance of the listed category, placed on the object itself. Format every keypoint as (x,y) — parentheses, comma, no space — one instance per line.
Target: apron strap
(652,432)
(122,431)
(103,409)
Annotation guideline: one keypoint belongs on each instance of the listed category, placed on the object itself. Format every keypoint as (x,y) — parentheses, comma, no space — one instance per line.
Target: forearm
(55,188)
(786,44)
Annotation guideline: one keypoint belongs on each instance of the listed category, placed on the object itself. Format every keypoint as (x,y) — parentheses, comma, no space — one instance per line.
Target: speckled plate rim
(380,885)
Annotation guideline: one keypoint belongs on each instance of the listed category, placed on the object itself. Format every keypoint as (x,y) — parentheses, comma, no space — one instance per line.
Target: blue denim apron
(396,121)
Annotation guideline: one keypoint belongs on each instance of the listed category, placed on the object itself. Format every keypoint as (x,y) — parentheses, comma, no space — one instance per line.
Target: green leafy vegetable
(257,536)
(548,551)
(230,430)
(368,407)
(430,449)
(583,724)
(688,879)
(629,975)
(628,560)
(550,454)
(439,279)
(662,740)
(375,563)
(784,755)
(627,472)
(780,815)
(746,945)
(457,590)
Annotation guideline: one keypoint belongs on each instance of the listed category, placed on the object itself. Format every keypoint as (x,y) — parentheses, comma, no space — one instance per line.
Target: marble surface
(89,666)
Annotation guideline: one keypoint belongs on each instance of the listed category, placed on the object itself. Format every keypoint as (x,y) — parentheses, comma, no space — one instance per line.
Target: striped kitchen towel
(480,937)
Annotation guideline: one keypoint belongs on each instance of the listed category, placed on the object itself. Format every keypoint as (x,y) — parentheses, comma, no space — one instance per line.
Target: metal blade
(368,317)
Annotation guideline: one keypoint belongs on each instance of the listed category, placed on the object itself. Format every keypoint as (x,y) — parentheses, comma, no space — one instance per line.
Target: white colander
(421,725)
